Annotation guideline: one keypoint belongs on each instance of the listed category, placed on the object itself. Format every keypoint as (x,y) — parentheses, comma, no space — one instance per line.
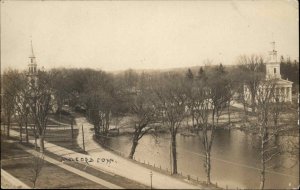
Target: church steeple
(273,67)
(31,53)
(273,53)
(32,68)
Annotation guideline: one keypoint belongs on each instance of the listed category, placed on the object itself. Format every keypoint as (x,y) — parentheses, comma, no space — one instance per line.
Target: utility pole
(83,138)
(151,179)
(171,157)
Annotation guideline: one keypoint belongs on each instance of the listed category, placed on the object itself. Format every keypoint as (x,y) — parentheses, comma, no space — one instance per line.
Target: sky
(117,35)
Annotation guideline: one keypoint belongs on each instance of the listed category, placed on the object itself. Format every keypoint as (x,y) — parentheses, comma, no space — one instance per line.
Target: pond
(235,158)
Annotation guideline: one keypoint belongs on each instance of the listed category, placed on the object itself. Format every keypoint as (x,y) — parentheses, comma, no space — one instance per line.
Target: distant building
(283,88)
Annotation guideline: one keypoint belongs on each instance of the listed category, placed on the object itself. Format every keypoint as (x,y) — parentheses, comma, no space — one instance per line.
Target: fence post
(83,138)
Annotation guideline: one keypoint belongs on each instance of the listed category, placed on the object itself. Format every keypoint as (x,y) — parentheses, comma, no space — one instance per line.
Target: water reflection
(235,158)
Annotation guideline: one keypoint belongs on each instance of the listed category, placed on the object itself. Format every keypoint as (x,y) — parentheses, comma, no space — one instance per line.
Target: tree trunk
(174,156)
(193,119)
(262,173)
(20,125)
(35,138)
(253,102)
(26,131)
(8,125)
(228,110)
(96,128)
(207,167)
(245,109)
(106,122)
(133,147)
(41,139)
(72,132)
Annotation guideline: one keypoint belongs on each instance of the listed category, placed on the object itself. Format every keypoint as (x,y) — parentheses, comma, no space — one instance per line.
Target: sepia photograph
(150,94)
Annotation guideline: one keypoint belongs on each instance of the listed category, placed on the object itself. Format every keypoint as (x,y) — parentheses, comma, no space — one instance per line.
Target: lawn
(19,164)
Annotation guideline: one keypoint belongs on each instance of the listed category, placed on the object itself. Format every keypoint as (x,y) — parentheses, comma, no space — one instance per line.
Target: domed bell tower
(273,66)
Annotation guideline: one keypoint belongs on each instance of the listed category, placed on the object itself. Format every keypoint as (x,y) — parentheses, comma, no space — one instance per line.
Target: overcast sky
(116,35)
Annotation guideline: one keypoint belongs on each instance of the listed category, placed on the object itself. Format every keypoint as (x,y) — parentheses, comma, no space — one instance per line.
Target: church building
(283,88)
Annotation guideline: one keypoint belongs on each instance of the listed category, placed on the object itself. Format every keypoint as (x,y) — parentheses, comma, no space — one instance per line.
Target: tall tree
(217,95)
(252,72)
(22,103)
(144,116)
(267,131)
(42,103)
(10,92)
(170,102)
(188,86)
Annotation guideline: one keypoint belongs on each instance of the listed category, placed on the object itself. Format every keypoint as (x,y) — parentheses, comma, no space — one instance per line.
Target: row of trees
(27,102)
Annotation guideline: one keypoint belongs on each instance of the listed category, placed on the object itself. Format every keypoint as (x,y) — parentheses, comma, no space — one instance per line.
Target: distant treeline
(290,70)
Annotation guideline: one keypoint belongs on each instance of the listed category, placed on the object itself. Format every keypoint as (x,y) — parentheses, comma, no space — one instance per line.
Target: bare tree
(171,104)
(264,96)
(22,104)
(37,165)
(143,118)
(42,102)
(10,92)
(190,101)
(252,68)
(202,109)
(267,132)
(217,95)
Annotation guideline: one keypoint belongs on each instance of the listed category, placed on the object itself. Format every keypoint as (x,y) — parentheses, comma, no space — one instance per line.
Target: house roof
(283,82)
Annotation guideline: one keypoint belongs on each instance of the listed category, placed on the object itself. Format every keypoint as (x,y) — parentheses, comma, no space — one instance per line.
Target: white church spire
(31,52)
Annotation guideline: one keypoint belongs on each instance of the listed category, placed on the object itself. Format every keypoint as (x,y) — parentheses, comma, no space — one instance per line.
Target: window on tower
(274,70)
(31,60)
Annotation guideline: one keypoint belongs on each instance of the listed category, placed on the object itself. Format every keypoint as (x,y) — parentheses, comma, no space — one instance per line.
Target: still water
(235,159)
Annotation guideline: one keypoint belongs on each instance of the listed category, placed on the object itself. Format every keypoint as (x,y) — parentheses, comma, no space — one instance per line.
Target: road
(124,167)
